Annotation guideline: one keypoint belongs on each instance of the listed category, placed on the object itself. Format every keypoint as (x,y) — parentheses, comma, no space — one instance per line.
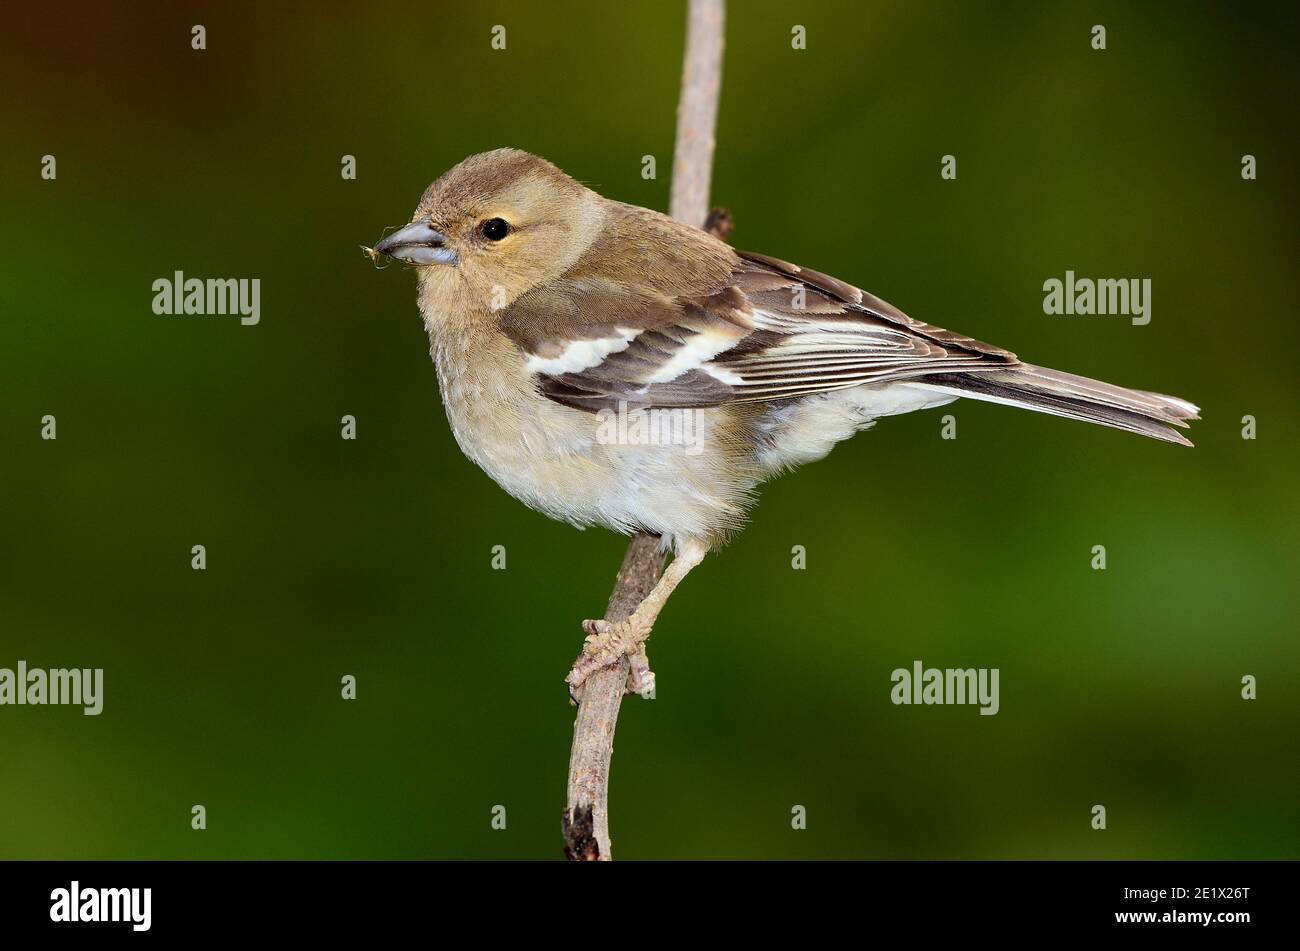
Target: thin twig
(586,819)
(697,113)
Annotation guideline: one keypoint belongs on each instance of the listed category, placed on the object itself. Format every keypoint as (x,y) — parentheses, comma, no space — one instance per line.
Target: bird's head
(494,227)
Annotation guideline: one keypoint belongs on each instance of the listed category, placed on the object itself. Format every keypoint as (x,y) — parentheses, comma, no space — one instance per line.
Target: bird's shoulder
(645,273)
(647,249)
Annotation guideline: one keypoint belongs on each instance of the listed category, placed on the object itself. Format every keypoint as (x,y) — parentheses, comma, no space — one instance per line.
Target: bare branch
(586,819)
(697,112)
(586,822)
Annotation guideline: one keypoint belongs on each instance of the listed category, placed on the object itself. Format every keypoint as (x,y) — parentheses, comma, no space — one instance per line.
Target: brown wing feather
(671,317)
(690,323)
(767,271)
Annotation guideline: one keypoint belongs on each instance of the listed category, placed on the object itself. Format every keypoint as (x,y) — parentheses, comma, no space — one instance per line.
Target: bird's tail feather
(1074,397)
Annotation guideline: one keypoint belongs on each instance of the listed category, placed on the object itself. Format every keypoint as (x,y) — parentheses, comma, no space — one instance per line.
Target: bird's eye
(494,229)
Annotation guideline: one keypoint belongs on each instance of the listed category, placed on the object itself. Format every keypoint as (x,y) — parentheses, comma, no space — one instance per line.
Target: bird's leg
(607,642)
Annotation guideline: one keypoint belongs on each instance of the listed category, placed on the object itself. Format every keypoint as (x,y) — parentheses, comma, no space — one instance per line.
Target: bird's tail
(1074,397)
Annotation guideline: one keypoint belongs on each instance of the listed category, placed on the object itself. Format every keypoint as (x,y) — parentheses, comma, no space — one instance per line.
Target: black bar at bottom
(379,899)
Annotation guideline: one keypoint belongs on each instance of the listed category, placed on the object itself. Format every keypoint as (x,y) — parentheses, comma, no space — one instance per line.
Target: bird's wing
(772,331)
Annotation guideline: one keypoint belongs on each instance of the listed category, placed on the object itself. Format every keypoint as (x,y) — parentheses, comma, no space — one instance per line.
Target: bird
(608,365)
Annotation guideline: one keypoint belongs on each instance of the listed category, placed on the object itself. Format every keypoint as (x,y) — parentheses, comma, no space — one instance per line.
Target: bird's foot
(607,643)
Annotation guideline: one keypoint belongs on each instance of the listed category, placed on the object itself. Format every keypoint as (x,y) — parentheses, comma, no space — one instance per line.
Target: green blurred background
(325,557)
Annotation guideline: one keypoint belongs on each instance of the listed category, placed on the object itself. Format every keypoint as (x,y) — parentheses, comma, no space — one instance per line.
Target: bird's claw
(640,678)
(607,643)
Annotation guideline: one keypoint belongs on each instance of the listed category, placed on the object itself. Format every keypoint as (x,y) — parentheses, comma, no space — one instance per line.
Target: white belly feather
(584,469)
(581,468)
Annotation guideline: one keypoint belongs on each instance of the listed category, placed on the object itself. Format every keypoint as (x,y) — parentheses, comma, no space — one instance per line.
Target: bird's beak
(417,243)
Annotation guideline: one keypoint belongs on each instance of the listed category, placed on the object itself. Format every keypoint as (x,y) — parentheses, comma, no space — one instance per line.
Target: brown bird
(608,365)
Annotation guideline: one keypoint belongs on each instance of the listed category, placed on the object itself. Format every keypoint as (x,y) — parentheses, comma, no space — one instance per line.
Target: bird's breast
(586,468)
